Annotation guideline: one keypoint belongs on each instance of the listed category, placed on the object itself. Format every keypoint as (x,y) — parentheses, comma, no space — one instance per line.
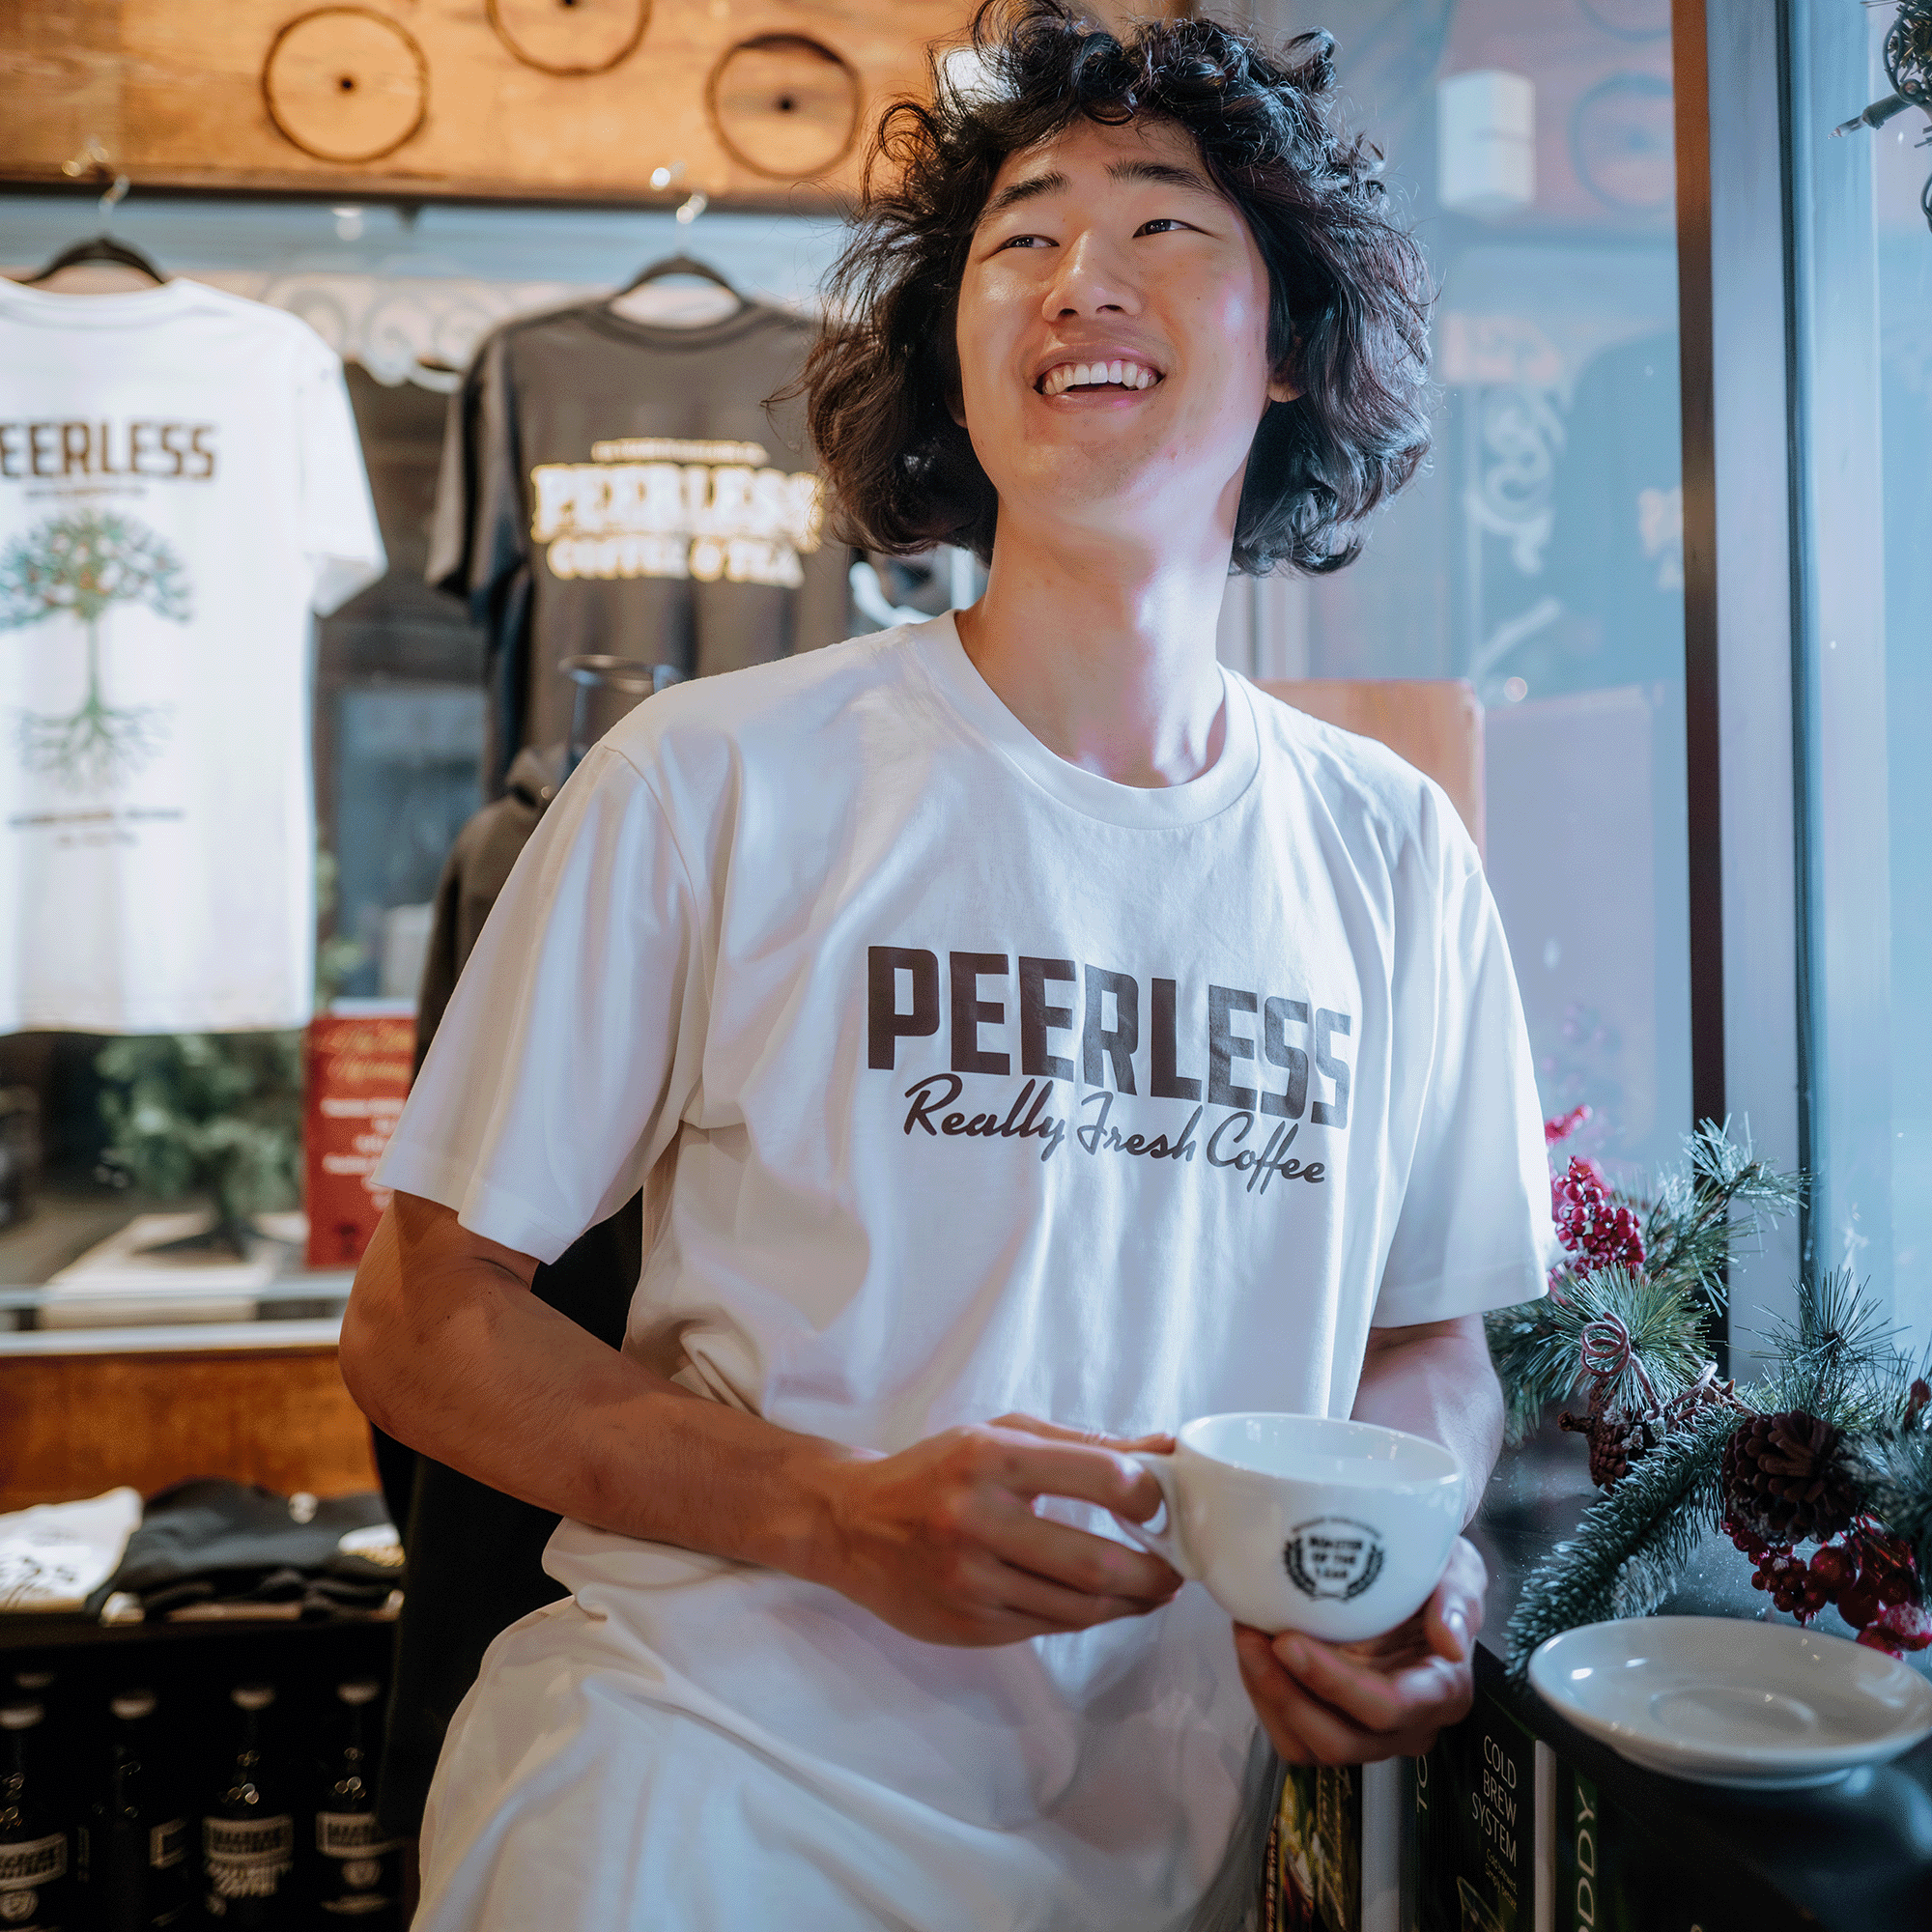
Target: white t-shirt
(968,1081)
(179,487)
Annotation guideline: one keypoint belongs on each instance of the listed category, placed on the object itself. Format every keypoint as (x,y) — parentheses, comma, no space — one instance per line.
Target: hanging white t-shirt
(180,486)
(967,1082)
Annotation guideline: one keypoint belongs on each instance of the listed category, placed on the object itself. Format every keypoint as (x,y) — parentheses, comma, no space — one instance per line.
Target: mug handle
(1165,1543)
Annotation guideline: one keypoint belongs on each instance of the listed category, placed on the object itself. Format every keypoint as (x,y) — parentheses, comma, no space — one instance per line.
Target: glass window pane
(1541,555)
(1864,256)
(1905,407)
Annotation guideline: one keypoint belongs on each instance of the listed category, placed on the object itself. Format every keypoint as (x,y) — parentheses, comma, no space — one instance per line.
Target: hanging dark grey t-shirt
(619,487)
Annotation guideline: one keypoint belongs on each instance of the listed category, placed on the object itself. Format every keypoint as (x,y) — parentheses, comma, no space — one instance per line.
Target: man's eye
(1026,242)
(1159,225)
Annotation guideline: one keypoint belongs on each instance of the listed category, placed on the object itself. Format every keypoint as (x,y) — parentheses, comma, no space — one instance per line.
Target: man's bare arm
(444,1347)
(1437,1380)
(1355,1703)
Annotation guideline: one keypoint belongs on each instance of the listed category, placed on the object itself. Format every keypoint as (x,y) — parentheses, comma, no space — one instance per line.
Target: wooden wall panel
(174,90)
(71,1425)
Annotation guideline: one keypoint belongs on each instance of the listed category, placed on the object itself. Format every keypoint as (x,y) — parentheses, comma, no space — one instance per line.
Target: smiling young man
(1029,1037)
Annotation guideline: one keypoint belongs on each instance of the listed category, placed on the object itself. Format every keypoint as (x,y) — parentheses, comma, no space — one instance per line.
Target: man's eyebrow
(1015,192)
(1164,173)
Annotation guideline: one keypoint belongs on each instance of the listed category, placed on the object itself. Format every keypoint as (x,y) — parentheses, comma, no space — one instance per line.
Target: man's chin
(1082,505)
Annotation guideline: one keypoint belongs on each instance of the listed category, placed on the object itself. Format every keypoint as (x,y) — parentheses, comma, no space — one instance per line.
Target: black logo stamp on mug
(1333,1556)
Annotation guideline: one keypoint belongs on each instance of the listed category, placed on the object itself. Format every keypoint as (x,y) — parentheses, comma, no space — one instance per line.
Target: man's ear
(955,403)
(1282,385)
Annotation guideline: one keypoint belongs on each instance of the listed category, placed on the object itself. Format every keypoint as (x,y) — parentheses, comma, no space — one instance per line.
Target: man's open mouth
(1122,373)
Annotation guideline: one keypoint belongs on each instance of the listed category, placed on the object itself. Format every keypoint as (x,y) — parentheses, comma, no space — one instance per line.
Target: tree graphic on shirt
(82,565)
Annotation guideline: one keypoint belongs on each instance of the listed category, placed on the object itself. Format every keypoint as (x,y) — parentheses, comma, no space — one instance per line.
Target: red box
(359,1077)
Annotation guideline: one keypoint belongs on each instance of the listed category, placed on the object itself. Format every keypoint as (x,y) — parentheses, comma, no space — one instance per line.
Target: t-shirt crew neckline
(49,306)
(1149,808)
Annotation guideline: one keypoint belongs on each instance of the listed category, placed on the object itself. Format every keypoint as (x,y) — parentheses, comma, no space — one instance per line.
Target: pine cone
(1786,1478)
(1615,1440)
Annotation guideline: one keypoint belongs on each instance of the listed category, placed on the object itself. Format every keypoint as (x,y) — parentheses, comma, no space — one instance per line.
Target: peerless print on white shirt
(966,1082)
(180,486)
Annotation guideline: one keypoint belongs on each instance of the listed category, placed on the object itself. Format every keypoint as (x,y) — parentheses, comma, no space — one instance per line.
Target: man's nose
(1093,280)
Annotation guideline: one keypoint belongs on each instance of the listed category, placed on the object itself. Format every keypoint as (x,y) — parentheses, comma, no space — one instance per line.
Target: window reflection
(1541,555)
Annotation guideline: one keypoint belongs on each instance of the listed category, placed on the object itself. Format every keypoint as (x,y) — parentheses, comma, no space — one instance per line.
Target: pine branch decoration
(1715,1206)
(1659,1352)
(1897,1469)
(1630,1548)
(1718,1209)
(1650,1335)
(1532,1378)
(1837,1360)
(1831,1450)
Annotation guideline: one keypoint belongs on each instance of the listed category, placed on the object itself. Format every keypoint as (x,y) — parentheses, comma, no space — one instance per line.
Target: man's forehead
(1136,150)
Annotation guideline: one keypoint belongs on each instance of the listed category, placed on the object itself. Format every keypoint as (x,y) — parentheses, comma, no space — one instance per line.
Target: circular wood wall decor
(786,105)
(345,84)
(570,37)
(1622,142)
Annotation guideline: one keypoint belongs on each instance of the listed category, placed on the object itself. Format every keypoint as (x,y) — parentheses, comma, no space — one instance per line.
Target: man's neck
(1105,652)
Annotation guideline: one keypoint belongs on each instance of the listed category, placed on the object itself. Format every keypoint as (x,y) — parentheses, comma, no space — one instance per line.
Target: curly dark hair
(1348,306)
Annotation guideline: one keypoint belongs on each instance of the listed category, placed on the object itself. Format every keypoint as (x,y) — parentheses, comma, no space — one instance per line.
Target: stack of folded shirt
(215,1548)
(54,1556)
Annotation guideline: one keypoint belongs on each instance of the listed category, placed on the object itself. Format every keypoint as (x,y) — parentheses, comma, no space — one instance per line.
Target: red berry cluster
(1597,1232)
(1869,1576)
(1563,1125)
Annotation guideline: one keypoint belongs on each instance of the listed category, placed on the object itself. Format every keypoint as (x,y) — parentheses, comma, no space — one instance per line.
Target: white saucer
(1719,1700)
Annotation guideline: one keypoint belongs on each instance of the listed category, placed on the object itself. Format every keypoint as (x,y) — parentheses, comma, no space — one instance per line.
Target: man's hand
(942,1540)
(444,1345)
(1355,1703)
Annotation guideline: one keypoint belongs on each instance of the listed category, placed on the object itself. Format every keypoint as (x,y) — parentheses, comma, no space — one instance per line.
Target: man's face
(1113,335)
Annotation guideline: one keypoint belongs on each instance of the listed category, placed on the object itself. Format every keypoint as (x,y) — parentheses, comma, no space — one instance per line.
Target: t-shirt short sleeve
(339,532)
(571,1044)
(477,534)
(1474,1231)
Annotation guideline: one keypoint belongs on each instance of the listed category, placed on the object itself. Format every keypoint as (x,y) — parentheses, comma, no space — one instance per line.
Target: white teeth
(1087,374)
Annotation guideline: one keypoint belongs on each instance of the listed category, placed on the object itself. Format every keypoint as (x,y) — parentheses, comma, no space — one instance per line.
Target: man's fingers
(1447,1624)
(1454,1613)
(1362,1694)
(1077,1560)
(1432,1693)
(1303,1728)
(1083,1471)
(1356,1703)
(1055,1608)
(1098,1438)
(991,1602)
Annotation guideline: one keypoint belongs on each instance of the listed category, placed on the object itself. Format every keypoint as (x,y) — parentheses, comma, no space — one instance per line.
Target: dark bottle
(135,1855)
(54,1762)
(357,1866)
(249,1832)
(36,1882)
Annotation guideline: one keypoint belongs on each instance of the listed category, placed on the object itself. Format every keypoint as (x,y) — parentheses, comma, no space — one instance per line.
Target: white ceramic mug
(1337,1529)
